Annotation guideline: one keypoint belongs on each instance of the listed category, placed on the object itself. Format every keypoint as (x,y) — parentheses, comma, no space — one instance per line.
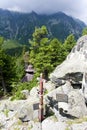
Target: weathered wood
(62,97)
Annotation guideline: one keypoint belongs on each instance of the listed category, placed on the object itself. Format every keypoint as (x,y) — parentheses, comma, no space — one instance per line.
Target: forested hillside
(20,26)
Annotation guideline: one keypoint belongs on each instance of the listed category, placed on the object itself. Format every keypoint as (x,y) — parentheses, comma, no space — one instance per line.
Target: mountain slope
(20,26)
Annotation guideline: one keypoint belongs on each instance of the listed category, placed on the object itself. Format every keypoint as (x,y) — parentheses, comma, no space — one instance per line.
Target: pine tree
(69,43)
(45,54)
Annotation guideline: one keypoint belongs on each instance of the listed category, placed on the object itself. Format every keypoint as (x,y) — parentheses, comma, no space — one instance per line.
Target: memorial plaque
(62,97)
(36,106)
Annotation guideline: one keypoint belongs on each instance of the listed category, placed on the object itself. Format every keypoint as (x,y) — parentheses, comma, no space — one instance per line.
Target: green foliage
(56,52)
(9,44)
(18,87)
(46,54)
(19,67)
(6,111)
(21,25)
(16,128)
(69,43)
(1,51)
(1,41)
(67,128)
(45,92)
(39,49)
(13,47)
(18,96)
(84,31)
(7,69)
(39,33)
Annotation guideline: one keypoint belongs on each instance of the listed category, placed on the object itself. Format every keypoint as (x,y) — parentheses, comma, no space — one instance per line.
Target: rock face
(75,64)
(73,70)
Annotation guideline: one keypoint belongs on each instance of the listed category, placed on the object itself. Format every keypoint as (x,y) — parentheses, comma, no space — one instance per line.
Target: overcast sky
(75,8)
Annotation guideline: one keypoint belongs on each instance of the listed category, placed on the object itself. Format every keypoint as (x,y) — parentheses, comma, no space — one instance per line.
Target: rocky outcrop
(23,108)
(64,106)
(20,114)
(75,64)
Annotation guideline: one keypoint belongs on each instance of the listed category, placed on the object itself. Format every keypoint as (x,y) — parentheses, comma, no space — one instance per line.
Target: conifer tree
(45,54)
(7,69)
(69,43)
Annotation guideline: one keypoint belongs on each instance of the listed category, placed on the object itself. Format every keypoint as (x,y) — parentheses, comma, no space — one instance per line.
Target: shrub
(16,93)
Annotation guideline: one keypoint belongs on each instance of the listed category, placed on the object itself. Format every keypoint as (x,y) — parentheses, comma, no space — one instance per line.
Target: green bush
(17,88)
(18,96)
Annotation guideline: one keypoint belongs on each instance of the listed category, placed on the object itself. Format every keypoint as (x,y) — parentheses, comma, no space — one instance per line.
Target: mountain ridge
(20,26)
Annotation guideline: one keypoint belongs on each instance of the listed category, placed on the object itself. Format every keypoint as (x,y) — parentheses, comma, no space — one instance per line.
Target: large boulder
(50,124)
(51,97)
(24,108)
(74,65)
(77,107)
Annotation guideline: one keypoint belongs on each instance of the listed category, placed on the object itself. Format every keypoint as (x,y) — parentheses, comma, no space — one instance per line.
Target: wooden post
(41,99)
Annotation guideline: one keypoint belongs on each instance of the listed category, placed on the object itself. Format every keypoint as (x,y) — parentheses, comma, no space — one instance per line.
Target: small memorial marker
(62,97)
(36,106)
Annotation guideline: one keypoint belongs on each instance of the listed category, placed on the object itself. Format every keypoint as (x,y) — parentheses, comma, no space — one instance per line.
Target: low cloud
(15,8)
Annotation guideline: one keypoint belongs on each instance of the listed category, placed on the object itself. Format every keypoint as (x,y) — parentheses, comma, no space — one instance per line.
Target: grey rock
(80,126)
(34,92)
(49,86)
(75,64)
(26,113)
(67,87)
(57,81)
(37,126)
(52,125)
(84,86)
(23,108)
(25,93)
(77,105)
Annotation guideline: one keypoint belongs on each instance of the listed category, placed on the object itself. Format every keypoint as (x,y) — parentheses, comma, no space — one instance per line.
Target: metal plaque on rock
(62,97)
(36,106)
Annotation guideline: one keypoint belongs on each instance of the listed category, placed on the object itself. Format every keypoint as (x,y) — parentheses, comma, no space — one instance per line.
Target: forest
(43,53)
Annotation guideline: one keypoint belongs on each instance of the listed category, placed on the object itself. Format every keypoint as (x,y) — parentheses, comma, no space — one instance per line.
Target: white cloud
(15,8)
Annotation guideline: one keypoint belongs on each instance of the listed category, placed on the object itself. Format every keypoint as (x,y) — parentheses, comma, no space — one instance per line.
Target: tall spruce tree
(45,54)
(39,50)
